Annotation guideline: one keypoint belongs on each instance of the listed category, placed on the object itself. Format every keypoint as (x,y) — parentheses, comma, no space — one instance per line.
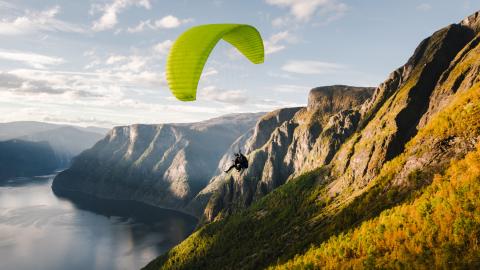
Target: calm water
(41,231)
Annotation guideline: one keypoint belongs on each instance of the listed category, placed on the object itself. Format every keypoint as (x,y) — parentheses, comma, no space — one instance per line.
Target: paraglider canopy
(191,50)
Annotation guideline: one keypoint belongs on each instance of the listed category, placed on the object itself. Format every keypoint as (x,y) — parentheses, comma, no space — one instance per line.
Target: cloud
(311,67)
(33,22)
(170,22)
(303,10)
(142,25)
(139,69)
(167,22)
(162,48)
(110,12)
(24,86)
(209,72)
(424,7)
(113,59)
(274,43)
(224,96)
(31,59)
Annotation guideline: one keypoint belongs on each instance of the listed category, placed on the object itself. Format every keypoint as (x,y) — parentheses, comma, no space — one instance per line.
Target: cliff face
(163,165)
(378,155)
(286,143)
(405,102)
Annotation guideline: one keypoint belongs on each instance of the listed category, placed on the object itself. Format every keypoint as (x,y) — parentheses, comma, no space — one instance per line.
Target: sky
(102,62)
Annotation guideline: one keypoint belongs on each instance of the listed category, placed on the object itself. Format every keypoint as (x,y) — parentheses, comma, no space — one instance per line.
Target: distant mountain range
(17,129)
(58,143)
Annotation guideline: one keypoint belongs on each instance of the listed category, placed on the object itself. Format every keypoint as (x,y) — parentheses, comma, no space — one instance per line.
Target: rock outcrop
(400,106)
(286,143)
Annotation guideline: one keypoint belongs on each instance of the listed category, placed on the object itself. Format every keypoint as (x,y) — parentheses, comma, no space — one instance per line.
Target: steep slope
(21,158)
(164,165)
(439,229)
(286,143)
(419,120)
(253,138)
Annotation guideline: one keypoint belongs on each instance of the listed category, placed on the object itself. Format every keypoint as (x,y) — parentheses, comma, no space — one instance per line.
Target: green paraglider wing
(190,52)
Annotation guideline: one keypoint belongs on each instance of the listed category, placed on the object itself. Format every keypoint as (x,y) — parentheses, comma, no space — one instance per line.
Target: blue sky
(102,62)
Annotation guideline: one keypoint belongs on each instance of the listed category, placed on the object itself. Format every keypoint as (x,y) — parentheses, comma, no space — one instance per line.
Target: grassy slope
(441,224)
(288,220)
(439,229)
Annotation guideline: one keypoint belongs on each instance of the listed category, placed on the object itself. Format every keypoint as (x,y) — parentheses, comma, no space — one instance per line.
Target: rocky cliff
(286,143)
(164,165)
(370,201)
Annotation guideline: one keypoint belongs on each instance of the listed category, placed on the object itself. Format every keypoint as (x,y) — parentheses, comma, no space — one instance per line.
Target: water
(39,230)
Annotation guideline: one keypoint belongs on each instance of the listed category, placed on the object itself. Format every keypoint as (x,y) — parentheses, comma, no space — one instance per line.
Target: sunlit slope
(301,213)
(440,229)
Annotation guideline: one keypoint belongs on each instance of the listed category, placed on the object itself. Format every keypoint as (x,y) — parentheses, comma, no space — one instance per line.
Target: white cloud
(424,7)
(311,67)
(29,86)
(162,48)
(110,12)
(31,59)
(224,96)
(115,59)
(167,22)
(32,22)
(303,10)
(209,72)
(274,43)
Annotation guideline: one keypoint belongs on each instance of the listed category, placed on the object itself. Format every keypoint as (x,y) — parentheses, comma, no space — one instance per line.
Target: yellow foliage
(440,229)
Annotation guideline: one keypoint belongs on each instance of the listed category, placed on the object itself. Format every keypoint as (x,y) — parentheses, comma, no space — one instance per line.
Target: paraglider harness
(240,162)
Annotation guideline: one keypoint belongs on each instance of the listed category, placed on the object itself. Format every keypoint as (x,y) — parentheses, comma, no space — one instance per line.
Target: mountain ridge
(163,165)
(67,141)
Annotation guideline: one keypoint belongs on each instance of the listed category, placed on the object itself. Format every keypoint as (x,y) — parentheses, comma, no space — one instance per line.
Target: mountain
(394,184)
(66,141)
(286,143)
(22,158)
(163,165)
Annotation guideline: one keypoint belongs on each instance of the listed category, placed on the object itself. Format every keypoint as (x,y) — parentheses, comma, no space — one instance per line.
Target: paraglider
(191,50)
(240,162)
